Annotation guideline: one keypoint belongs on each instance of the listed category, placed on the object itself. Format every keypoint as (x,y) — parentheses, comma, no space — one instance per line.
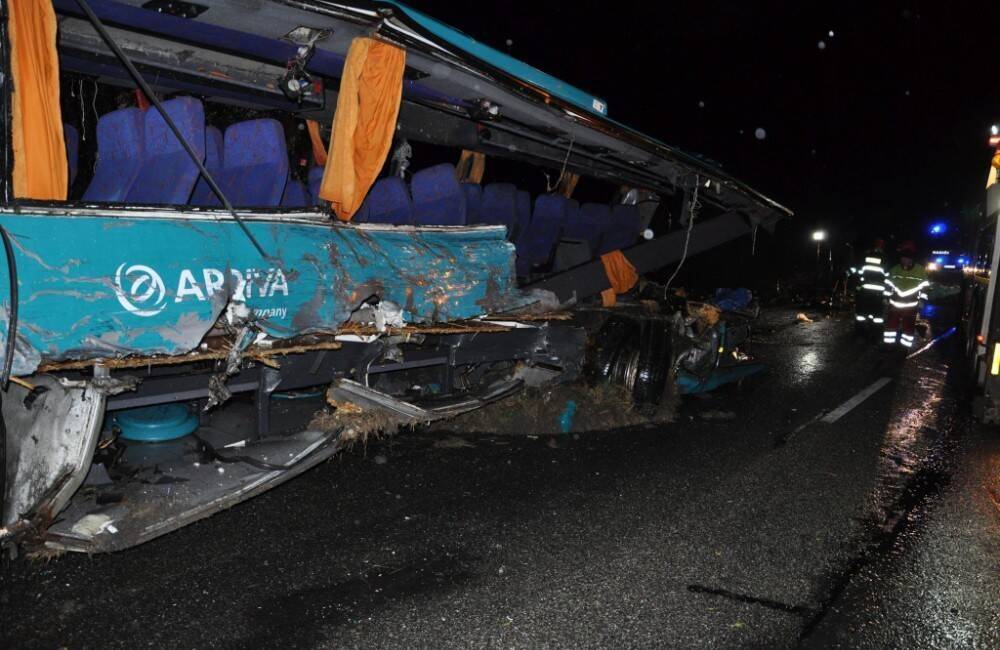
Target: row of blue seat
(140,160)
(435,198)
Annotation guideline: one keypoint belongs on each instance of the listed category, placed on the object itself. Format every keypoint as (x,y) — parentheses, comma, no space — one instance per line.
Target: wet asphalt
(770,529)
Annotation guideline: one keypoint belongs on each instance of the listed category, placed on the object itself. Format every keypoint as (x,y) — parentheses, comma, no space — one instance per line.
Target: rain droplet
(760,133)
(510,41)
(701,104)
(821,45)
(830,33)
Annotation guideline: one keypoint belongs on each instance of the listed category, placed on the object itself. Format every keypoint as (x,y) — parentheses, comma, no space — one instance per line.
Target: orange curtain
(621,274)
(40,167)
(471,167)
(319,149)
(370,93)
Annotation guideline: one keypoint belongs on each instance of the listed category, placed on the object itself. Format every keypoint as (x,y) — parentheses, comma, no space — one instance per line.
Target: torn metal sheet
(156,283)
(347,390)
(57,425)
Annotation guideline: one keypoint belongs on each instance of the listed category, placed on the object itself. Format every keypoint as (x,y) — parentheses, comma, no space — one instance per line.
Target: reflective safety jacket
(906,286)
(872,276)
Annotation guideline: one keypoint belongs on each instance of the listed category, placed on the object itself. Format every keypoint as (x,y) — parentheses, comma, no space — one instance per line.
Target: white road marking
(849,405)
(942,337)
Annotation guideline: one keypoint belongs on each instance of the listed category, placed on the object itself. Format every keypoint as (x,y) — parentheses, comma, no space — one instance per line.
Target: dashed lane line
(850,404)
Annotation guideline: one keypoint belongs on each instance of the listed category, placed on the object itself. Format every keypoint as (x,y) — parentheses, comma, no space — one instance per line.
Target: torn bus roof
(457,92)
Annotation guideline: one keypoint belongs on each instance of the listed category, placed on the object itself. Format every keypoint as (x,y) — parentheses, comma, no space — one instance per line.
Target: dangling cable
(692,213)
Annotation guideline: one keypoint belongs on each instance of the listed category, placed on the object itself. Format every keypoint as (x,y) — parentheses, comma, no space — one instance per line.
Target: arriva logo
(146,295)
(141,290)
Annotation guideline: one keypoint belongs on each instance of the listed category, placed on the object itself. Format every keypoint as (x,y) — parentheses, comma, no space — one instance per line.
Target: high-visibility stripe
(872,260)
(904,305)
(905,343)
(873,269)
(995,366)
(878,320)
(873,287)
(859,318)
(903,293)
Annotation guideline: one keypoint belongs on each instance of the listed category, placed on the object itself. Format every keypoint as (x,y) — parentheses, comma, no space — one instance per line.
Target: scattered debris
(802,318)
(452,442)
(535,412)
(91,525)
(566,418)
(354,423)
(718,415)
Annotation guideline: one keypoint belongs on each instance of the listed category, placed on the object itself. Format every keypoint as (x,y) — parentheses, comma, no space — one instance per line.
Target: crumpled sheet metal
(97,285)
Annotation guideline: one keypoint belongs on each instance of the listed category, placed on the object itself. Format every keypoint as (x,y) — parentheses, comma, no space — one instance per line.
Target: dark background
(879,133)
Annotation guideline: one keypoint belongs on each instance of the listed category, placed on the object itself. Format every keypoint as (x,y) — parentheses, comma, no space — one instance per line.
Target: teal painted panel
(95,286)
(507,63)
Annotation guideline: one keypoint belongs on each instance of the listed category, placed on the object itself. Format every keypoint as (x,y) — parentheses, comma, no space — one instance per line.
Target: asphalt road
(774,528)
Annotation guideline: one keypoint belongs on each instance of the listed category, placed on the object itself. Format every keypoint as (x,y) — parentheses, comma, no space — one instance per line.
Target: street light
(819,235)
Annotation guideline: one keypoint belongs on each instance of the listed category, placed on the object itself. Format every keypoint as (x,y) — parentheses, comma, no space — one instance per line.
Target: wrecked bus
(236,235)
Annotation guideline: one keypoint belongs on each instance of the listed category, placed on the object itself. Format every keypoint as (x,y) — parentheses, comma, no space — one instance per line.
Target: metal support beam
(590,279)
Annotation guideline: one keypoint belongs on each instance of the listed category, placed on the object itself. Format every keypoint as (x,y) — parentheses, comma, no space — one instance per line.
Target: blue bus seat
(315,180)
(522,214)
(540,237)
(438,198)
(499,206)
(387,202)
(203,194)
(120,147)
(594,219)
(168,174)
(255,163)
(295,195)
(623,229)
(473,201)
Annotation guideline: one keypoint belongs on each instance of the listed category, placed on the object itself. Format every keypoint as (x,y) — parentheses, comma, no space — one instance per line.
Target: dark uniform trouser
(868,303)
(902,321)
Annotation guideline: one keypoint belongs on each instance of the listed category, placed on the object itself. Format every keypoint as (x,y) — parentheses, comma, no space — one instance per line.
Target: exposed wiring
(693,209)
(562,172)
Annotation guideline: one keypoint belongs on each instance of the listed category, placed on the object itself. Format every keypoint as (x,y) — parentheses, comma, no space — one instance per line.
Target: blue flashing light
(962,261)
(939,228)
(939,260)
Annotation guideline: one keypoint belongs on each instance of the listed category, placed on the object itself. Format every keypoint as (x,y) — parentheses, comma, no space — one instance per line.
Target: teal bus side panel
(95,286)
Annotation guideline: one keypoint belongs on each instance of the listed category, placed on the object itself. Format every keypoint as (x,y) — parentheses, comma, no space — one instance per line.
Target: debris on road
(718,415)
(452,442)
(802,318)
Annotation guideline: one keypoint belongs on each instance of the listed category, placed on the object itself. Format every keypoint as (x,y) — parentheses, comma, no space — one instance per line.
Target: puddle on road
(916,463)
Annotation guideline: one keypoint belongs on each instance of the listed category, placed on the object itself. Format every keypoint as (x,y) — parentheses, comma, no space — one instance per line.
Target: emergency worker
(906,284)
(869,298)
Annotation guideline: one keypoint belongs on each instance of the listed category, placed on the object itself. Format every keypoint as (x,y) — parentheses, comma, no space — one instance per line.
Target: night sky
(879,129)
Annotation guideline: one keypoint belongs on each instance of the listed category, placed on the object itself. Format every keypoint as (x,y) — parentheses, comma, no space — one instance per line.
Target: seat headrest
(189,116)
